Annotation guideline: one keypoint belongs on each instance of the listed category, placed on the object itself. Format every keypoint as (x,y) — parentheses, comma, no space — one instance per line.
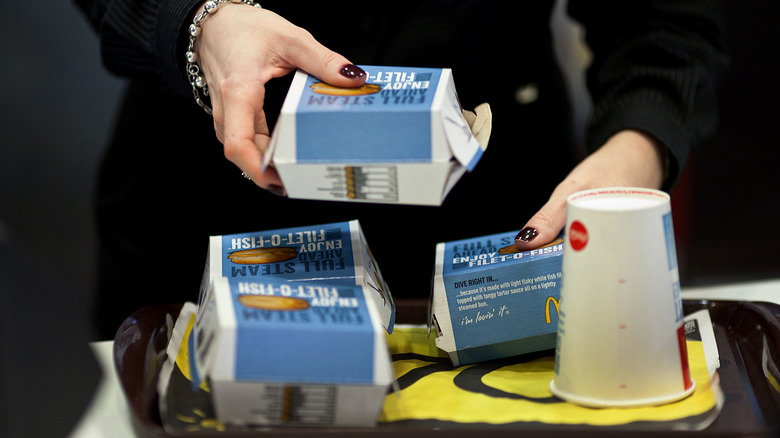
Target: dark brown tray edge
(145,335)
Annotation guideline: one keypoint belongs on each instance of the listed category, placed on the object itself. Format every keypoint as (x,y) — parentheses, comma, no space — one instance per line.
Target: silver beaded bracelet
(199,87)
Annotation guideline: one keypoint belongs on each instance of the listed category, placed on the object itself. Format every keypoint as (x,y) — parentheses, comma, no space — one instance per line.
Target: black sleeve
(144,39)
(656,68)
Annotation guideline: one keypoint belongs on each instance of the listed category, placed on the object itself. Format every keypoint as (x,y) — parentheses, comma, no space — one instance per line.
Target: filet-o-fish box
(401,138)
(329,253)
(491,300)
(291,353)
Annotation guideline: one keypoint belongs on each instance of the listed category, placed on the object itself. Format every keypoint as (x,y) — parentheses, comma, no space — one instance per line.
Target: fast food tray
(747,335)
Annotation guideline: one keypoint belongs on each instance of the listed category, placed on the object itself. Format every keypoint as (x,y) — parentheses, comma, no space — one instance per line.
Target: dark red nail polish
(527,234)
(352,71)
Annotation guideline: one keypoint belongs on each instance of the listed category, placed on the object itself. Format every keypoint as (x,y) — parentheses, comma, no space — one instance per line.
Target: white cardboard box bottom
(324,363)
(300,405)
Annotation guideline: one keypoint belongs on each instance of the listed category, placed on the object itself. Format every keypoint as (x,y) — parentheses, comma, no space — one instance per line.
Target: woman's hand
(627,159)
(239,50)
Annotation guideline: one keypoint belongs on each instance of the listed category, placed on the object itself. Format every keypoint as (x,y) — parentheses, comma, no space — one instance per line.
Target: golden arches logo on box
(547,308)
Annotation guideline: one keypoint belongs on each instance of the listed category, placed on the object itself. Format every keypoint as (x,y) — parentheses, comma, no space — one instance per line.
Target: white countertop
(759,290)
(108,415)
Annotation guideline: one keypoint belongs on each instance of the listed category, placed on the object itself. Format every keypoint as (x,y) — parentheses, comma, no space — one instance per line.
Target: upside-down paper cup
(621,340)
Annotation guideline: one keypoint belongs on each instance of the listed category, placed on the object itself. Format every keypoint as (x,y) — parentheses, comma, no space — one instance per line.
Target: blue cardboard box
(335,253)
(401,138)
(490,300)
(291,353)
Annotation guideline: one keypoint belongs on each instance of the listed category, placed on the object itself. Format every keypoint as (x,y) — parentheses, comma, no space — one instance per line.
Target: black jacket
(165,184)
(656,64)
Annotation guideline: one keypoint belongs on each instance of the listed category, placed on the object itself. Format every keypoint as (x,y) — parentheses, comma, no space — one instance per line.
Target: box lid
(333,253)
(487,252)
(399,116)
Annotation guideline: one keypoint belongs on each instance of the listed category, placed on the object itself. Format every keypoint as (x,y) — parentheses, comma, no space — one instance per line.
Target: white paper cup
(621,340)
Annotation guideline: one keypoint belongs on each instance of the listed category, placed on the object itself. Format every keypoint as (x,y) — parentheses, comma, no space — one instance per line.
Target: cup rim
(614,192)
(596,401)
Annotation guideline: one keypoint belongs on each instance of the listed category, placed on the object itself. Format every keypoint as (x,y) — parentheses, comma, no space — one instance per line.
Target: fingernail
(352,71)
(527,234)
(277,190)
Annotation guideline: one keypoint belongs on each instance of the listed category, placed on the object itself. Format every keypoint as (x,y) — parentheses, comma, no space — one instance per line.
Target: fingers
(245,138)
(628,158)
(238,65)
(328,66)
(544,226)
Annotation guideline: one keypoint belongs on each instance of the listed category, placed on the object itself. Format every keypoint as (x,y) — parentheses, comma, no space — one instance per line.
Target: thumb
(544,226)
(327,65)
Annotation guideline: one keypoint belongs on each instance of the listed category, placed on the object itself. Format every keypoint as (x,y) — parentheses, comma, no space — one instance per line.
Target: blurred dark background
(731,193)
(57,105)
